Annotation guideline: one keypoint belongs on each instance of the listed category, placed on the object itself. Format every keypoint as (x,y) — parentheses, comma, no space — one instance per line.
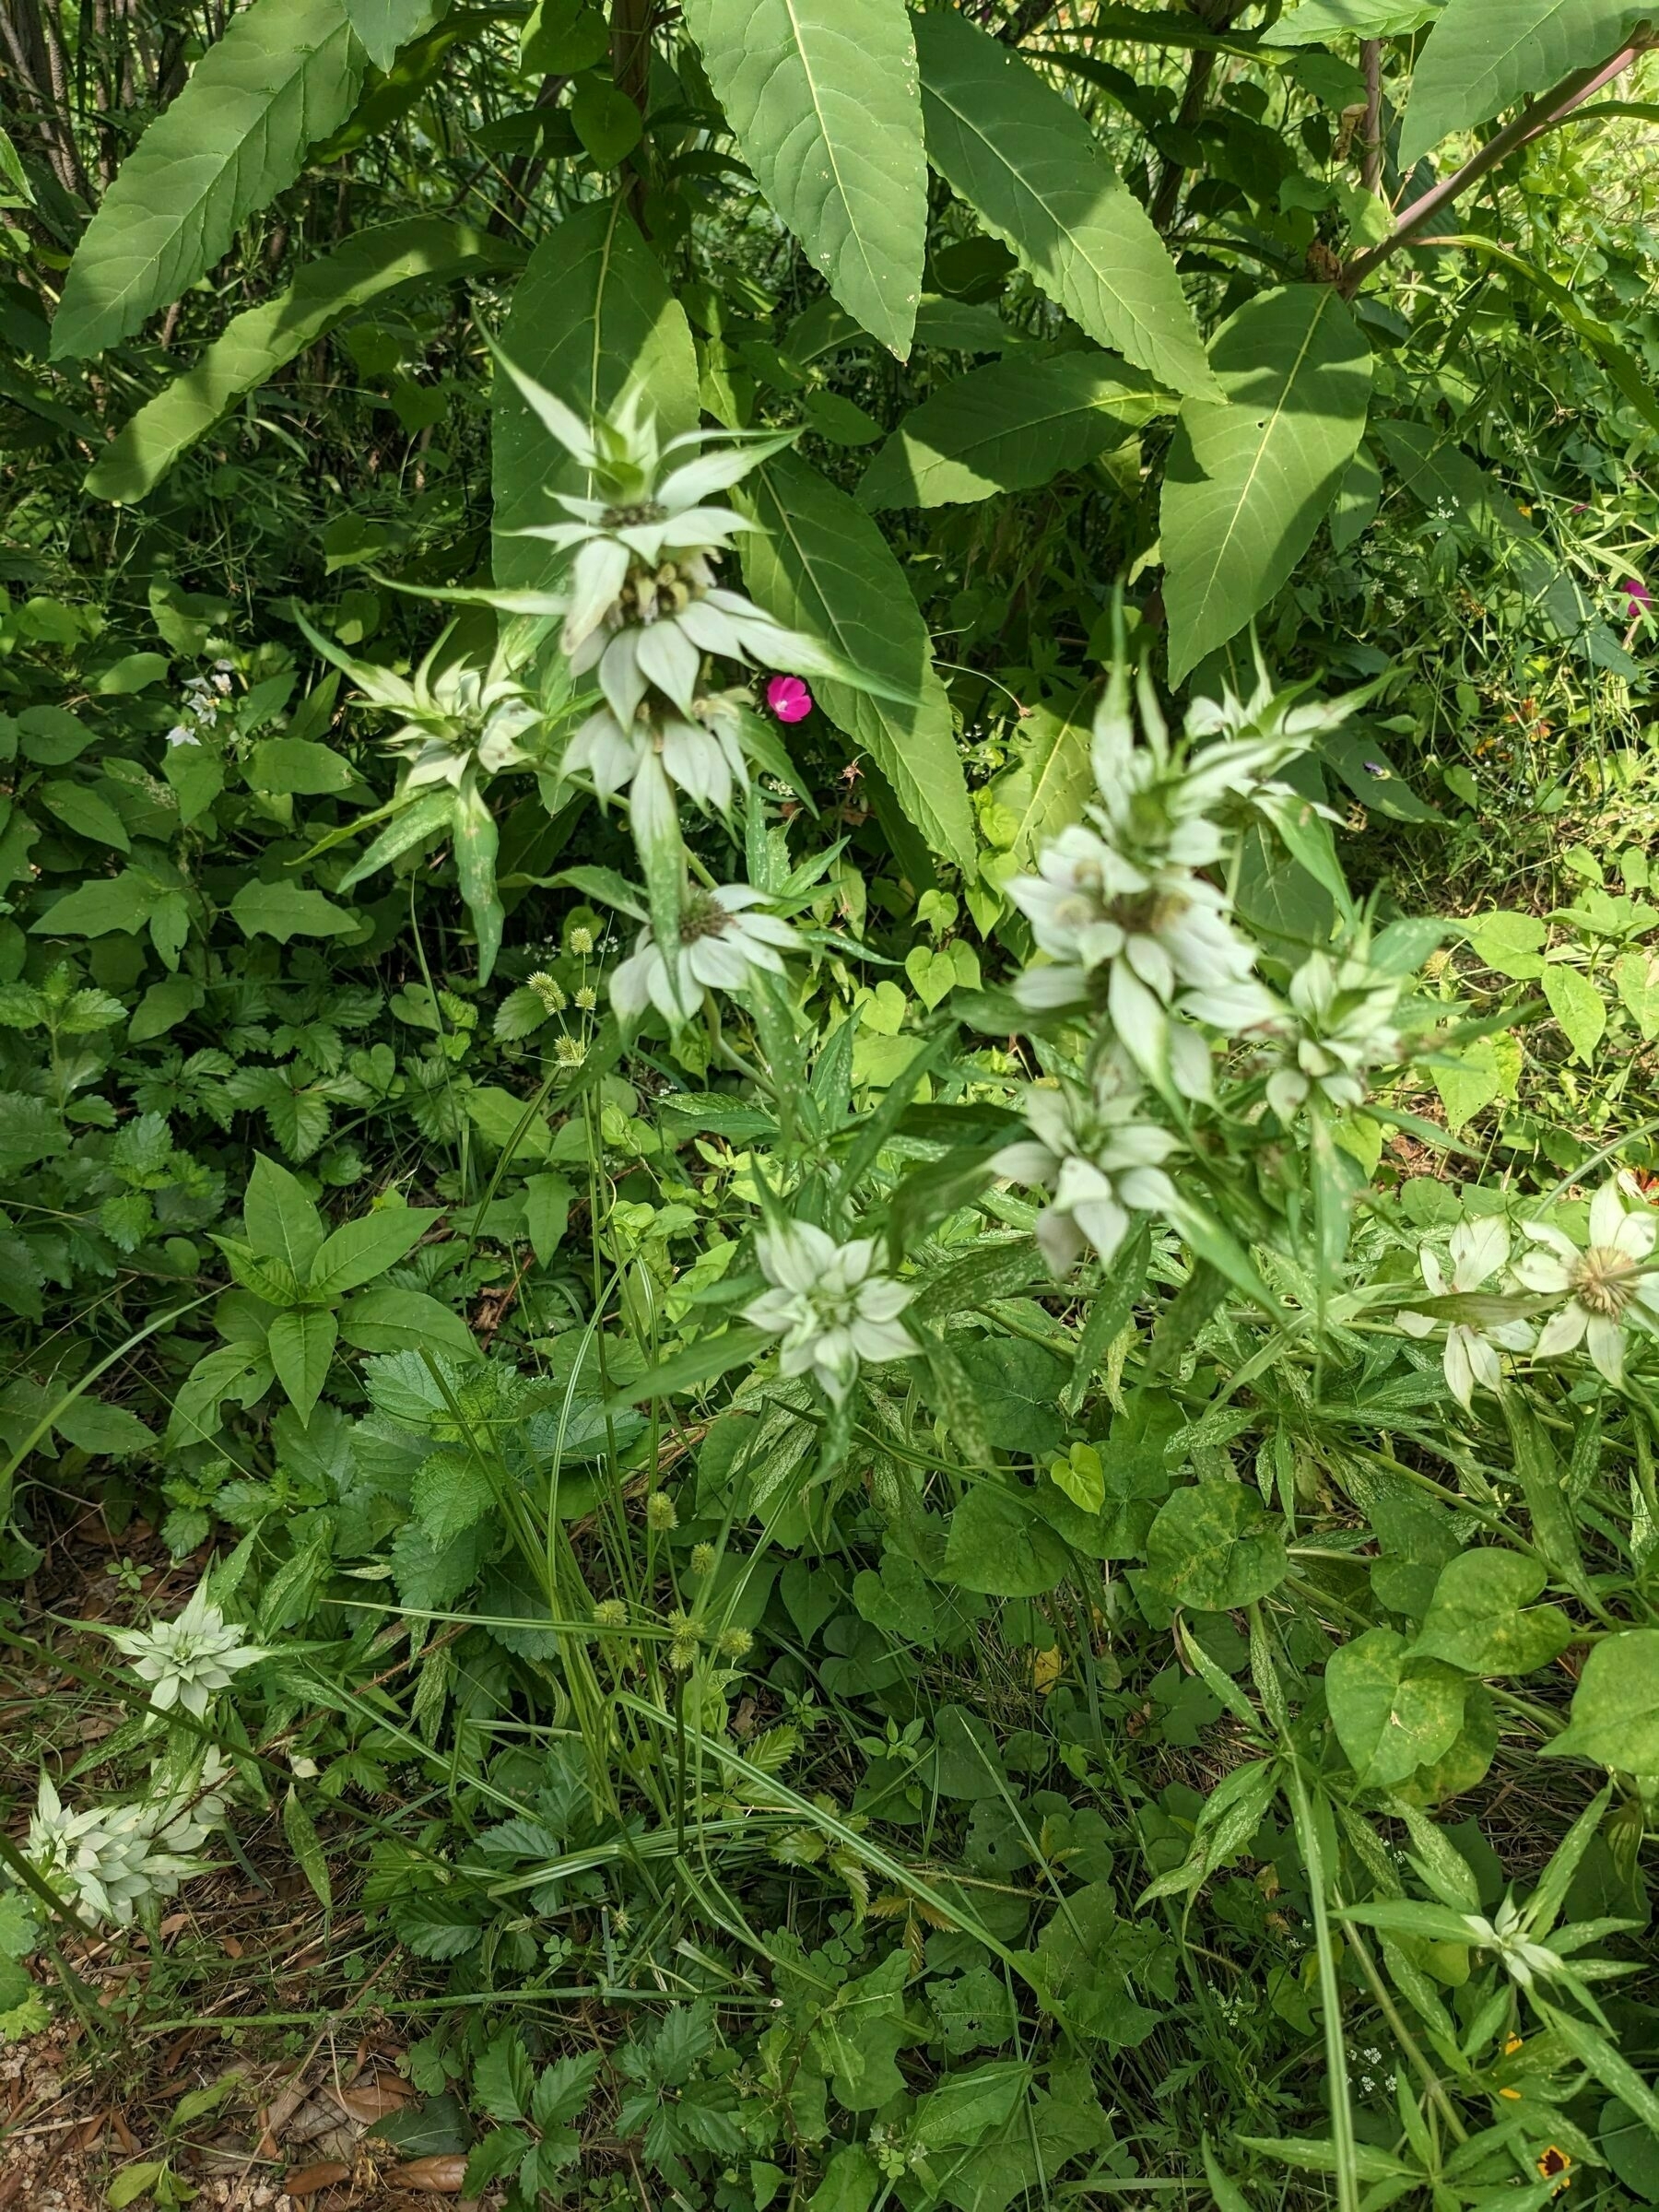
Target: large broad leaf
(1315,22)
(1048,777)
(1615,1718)
(385,25)
(1483,55)
(1393,1712)
(285,73)
(825,568)
(591,317)
(1028,165)
(822,96)
(1251,481)
(1008,428)
(257,344)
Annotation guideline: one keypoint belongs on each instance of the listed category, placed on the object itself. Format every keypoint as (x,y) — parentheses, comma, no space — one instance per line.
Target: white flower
(1103,1162)
(1343,1018)
(721,944)
(189,1658)
(1480,1251)
(110,1861)
(179,736)
(701,751)
(1607,1284)
(1522,1959)
(454,718)
(829,1305)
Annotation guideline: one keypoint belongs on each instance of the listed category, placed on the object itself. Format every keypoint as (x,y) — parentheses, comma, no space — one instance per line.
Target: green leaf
(1439,475)
(283,910)
(281,1221)
(607,123)
(503,2079)
(109,1431)
(1008,428)
(86,812)
(1615,1716)
(821,95)
(1028,165)
(591,317)
(824,567)
(1000,1544)
(301,1345)
(1049,777)
(1214,1549)
(451,1492)
(1482,1618)
(1578,1006)
(255,346)
(1393,1712)
(547,1211)
(1483,55)
(286,72)
(1316,22)
(404,1320)
(307,1847)
(1250,480)
(359,1251)
(385,25)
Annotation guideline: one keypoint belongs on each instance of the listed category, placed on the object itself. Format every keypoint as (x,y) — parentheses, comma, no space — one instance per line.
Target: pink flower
(788,698)
(1638,600)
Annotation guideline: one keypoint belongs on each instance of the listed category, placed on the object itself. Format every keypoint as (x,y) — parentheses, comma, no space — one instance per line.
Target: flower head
(722,943)
(1343,1018)
(788,698)
(110,1860)
(830,1304)
(1480,1251)
(1638,599)
(1103,1160)
(1607,1283)
(189,1658)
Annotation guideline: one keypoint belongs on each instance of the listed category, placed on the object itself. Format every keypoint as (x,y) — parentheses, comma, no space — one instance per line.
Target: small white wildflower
(112,1860)
(722,945)
(1522,1959)
(1608,1285)
(189,1658)
(830,1305)
(1103,1161)
(1480,1251)
(179,735)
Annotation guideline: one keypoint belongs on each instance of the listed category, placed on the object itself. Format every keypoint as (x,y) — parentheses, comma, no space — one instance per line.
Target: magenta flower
(788,698)
(1638,600)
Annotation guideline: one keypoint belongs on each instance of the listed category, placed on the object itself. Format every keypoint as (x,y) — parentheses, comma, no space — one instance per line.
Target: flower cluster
(1104,1161)
(723,940)
(189,1659)
(458,721)
(112,1862)
(830,1304)
(204,696)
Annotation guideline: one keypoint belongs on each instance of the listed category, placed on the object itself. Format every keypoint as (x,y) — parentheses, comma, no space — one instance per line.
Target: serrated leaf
(255,346)
(1009,427)
(1028,165)
(306,1845)
(503,2079)
(591,317)
(823,566)
(1484,55)
(1250,480)
(822,96)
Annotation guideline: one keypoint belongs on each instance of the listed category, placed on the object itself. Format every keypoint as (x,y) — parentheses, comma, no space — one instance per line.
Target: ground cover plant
(827,1018)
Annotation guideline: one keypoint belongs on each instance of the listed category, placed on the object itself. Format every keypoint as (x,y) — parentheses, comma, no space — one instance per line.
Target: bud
(734,1643)
(581,942)
(702,1558)
(610,1613)
(660,1513)
(546,989)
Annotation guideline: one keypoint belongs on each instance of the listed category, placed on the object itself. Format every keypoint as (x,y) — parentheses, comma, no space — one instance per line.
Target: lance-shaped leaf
(591,316)
(1251,481)
(1028,165)
(822,96)
(823,566)
(1484,55)
(1009,427)
(260,342)
(285,73)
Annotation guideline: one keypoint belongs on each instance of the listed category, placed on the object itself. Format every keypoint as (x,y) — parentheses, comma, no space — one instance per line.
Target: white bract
(189,1659)
(111,1862)
(830,1305)
(1343,1018)
(1103,1160)
(1607,1284)
(1479,1251)
(701,751)
(722,942)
